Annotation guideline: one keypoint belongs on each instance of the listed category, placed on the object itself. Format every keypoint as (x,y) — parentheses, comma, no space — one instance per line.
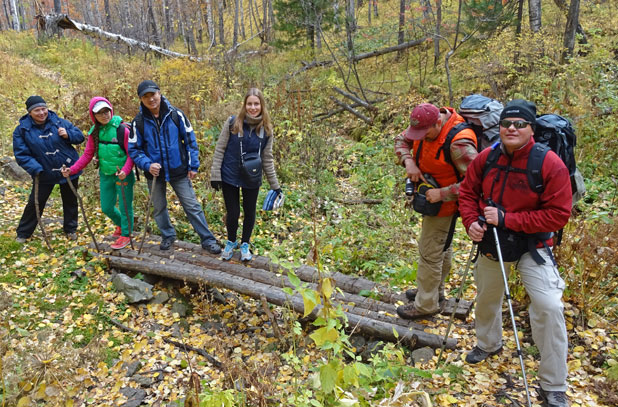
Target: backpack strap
(121,133)
(492,159)
(446,147)
(534,166)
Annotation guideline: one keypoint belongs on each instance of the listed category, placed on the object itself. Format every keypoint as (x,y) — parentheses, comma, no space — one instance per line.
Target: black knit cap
(520,108)
(145,87)
(33,102)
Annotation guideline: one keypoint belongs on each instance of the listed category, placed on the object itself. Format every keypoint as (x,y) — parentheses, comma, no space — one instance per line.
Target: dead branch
(356,99)
(352,110)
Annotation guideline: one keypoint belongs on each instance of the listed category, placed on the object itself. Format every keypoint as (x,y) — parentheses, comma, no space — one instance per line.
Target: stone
(161,298)
(180,308)
(12,170)
(135,290)
(132,367)
(422,355)
(143,381)
(135,396)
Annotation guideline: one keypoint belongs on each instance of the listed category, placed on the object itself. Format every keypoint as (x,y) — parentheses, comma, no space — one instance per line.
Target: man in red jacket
(422,150)
(524,220)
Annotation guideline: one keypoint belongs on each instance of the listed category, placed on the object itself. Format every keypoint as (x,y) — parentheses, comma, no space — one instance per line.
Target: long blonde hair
(264,123)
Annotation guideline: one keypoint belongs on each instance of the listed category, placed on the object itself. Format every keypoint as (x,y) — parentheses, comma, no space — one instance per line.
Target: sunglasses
(518,124)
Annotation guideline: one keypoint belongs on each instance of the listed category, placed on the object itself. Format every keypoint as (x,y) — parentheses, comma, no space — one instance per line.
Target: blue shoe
(228,252)
(245,253)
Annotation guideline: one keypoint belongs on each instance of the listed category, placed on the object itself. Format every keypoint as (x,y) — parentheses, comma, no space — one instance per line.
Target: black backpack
(482,115)
(552,132)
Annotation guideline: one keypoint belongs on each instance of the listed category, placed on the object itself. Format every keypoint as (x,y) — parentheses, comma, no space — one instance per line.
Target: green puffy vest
(111,155)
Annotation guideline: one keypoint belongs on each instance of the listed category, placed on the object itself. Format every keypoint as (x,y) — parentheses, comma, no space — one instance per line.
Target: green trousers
(111,194)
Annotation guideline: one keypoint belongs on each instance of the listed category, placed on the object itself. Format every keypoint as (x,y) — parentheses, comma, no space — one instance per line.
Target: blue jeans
(193,209)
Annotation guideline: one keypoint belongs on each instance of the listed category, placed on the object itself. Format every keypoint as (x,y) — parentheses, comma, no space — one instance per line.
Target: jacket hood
(165,107)
(93,102)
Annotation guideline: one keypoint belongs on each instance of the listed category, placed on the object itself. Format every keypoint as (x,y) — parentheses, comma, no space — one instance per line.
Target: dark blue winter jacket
(40,150)
(173,146)
(251,143)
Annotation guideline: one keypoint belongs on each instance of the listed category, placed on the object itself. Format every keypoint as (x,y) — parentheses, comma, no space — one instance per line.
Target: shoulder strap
(446,147)
(139,123)
(534,166)
(492,159)
(121,132)
(175,117)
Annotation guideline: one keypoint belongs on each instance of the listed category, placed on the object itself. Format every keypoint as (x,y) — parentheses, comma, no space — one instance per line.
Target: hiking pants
(231,196)
(434,263)
(111,194)
(29,220)
(544,286)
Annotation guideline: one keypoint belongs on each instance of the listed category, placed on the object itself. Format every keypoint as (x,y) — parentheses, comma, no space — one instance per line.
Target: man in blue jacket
(42,144)
(163,145)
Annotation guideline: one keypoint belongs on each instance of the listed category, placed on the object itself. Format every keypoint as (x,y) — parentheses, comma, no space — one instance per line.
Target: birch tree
(534,11)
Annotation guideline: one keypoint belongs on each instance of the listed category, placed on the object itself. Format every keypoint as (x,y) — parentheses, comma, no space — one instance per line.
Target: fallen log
(355,99)
(349,284)
(351,110)
(191,273)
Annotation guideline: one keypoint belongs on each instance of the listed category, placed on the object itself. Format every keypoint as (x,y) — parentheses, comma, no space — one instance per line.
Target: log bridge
(374,315)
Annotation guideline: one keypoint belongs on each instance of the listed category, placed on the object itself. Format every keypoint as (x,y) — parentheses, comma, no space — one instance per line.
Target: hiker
(163,145)
(420,150)
(244,138)
(503,196)
(42,144)
(115,167)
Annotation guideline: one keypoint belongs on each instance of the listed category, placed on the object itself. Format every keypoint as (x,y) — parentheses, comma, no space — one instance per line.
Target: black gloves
(278,191)
(500,218)
(216,185)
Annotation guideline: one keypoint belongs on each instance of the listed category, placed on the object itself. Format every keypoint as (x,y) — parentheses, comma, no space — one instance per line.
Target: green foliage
(303,19)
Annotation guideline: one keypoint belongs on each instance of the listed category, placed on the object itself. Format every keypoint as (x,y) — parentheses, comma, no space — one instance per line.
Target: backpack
(138,121)
(482,115)
(554,133)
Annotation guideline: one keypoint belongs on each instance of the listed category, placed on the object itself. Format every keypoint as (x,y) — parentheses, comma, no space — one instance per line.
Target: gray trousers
(434,264)
(544,286)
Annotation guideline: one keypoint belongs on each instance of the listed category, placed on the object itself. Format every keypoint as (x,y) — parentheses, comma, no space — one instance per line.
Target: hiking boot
(212,247)
(72,236)
(20,239)
(554,398)
(245,253)
(409,311)
(411,295)
(167,243)
(477,355)
(117,232)
(121,243)
(228,252)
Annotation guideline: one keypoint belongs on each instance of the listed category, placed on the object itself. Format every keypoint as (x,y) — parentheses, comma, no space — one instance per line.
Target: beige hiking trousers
(544,286)
(434,263)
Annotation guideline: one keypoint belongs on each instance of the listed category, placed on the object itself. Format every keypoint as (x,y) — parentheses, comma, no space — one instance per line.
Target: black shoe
(411,295)
(554,398)
(211,247)
(477,355)
(167,243)
(409,311)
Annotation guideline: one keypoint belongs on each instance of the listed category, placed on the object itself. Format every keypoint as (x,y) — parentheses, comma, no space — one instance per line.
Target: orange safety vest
(432,160)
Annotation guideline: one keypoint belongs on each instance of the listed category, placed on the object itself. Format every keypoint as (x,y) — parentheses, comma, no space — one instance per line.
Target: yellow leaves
(574,364)
(24,402)
(446,400)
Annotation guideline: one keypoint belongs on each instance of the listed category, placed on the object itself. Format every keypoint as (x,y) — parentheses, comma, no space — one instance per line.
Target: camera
(409,187)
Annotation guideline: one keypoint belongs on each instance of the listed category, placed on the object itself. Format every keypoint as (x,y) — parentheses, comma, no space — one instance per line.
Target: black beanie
(520,108)
(33,102)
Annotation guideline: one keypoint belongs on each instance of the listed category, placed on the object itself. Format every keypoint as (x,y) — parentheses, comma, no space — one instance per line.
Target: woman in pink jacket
(107,144)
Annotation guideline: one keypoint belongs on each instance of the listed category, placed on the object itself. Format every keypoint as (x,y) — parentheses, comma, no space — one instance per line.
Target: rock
(358,342)
(179,308)
(161,298)
(134,290)
(176,330)
(211,325)
(12,170)
(216,296)
(143,381)
(152,278)
(422,355)
(79,273)
(135,396)
(132,367)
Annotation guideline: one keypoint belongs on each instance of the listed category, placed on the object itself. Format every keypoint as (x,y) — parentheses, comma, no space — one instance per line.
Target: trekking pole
(126,209)
(38,212)
(508,300)
(81,205)
(471,258)
(154,180)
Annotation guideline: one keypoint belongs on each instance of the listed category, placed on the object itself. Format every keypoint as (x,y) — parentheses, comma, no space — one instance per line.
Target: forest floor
(60,348)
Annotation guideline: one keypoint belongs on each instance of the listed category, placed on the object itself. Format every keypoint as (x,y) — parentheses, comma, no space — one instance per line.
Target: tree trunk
(436,38)
(534,11)
(57,6)
(571,28)
(108,15)
(210,23)
(375,7)
(242,20)
(520,14)
(153,24)
(167,15)
(236,23)
(221,26)
(15,15)
(402,24)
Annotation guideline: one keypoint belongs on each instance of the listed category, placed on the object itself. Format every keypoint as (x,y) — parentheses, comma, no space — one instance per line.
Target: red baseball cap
(422,118)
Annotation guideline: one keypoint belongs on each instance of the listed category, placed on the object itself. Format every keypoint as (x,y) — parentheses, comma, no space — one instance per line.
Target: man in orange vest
(421,150)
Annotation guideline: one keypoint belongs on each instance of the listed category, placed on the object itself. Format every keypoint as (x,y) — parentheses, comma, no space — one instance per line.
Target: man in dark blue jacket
(42,144)
(163,145)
